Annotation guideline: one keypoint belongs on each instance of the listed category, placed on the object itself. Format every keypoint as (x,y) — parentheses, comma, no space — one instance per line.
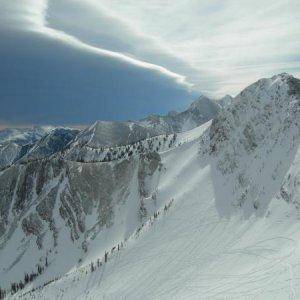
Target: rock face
(76,188)
(255,141)
(50,202)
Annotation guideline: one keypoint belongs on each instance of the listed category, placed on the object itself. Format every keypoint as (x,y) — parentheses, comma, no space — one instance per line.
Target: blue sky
(75,61)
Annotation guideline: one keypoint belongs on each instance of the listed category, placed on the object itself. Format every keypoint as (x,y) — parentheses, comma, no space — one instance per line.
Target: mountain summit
(255,141)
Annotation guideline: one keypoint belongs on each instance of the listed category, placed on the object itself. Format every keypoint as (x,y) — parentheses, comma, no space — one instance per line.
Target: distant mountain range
(38,142)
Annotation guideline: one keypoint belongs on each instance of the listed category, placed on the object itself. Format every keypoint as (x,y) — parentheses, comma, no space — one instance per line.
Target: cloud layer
(51,76)
(215,46)
(33,14)
(172,49)
(228,43)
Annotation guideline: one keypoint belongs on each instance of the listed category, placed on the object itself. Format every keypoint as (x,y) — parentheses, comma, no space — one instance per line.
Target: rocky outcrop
(254,141)
(55,199)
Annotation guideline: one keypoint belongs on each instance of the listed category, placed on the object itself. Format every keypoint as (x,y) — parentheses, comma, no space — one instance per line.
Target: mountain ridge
(234,185)
(22,144)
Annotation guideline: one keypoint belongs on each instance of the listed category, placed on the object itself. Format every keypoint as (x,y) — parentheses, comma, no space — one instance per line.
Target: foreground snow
(191,252)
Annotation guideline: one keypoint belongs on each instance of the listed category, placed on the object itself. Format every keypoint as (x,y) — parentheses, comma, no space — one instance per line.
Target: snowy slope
(218,216)
(192,253)
(78,191)
(50,143)
(16,142)
(23,136)
(10,152)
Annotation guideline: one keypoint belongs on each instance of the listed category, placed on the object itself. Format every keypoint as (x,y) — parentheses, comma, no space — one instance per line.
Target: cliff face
(49,202)
(254,142)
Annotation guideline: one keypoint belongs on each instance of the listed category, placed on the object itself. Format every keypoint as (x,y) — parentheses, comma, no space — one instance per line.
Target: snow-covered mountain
(42,141)
(224,101)
(255,142)
(199,112)
(24,136)
(16,142)
(51,143)
(209,213)
(34,144)
(112,133)
(93,143)
(10,152)
(54,206)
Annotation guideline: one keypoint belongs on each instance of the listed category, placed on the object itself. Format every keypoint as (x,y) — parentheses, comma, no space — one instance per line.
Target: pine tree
(2,293)
(26,278)
(21,285)
(92,267)
(13,288)
(40,269)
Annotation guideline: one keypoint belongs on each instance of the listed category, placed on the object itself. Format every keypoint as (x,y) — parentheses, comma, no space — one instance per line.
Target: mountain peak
(259,126)
(266,89)
(224,101)
(199,102)
(282,76)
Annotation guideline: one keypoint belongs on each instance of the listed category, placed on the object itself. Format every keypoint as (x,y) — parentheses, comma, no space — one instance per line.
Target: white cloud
(221,40)
(32,16)
(218,46)
(23,15)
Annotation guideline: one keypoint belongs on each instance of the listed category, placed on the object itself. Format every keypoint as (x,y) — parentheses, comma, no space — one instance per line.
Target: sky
(76,61)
